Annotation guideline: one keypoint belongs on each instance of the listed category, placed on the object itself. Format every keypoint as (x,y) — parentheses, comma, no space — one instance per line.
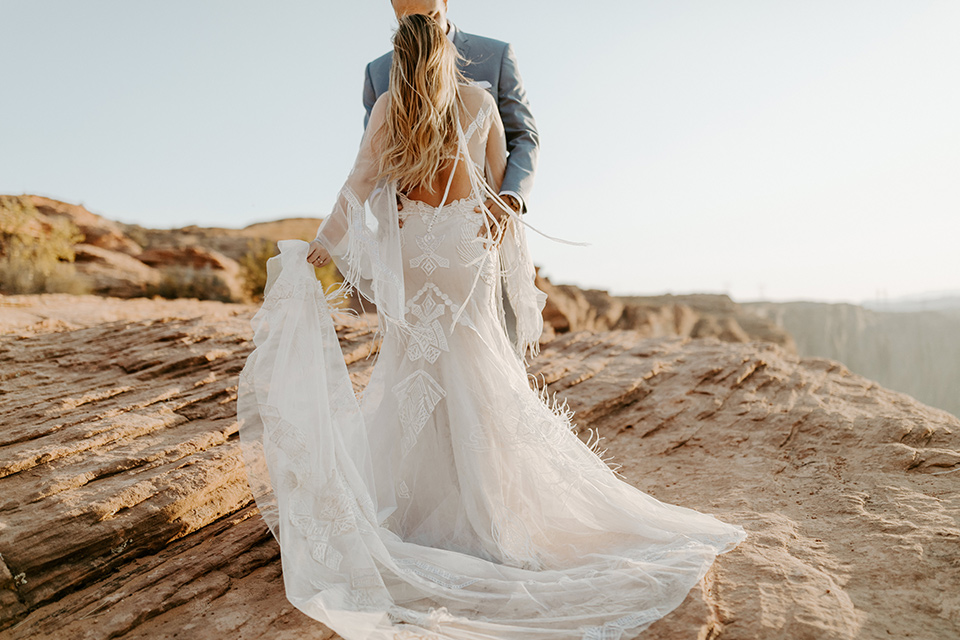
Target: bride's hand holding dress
(317,254)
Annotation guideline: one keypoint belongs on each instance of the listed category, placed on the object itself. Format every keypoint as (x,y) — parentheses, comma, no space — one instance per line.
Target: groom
(494,66)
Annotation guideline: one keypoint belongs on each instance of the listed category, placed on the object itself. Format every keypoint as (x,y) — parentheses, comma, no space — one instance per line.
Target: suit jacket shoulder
(484,43)
(379,72)
(382,64)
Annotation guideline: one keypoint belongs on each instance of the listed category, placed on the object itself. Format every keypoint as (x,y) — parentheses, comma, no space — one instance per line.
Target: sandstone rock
(126,514)
(97,230)
(844,486)
(570,308)
(113,273)
(233,243)
(196,257)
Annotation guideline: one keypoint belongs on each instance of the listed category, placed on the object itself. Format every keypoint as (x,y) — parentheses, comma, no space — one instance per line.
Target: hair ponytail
(420,130)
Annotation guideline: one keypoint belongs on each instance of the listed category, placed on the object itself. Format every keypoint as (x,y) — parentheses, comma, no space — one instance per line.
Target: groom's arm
(523,140)
(369,95)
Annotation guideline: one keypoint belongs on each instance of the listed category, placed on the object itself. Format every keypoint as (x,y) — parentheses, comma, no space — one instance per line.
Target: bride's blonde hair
(420,130)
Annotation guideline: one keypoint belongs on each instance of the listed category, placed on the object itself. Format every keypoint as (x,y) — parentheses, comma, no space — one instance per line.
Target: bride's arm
(495,164)
(494,170)
(496,153)
(333,231)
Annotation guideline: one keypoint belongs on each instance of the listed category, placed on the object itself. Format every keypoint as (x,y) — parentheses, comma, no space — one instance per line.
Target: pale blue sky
(801,150)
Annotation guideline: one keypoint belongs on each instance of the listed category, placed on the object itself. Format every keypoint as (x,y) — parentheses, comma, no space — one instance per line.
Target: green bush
(253,266)
(36,253)
(190,282)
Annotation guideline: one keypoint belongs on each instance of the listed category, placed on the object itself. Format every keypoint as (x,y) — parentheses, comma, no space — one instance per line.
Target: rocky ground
(124,510)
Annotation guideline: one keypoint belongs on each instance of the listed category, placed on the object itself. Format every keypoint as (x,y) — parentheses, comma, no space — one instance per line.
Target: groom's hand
(498,212)
(495,208)
(399,209)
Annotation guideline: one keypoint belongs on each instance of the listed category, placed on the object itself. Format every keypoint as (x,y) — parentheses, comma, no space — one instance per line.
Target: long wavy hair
(420,130)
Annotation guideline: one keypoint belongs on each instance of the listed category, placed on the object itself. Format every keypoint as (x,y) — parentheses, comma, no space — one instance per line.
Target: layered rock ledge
(124,510)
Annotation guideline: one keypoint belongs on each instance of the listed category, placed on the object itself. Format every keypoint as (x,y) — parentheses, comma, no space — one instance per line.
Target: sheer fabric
(453,499)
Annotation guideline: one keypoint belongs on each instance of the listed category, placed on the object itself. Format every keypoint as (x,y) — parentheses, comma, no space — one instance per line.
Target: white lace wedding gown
(454,500)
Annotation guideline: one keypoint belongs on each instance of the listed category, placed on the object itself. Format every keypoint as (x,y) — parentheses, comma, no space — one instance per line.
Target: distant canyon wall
(913,352)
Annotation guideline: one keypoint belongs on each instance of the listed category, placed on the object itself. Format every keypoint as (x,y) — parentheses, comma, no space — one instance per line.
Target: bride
(453,500)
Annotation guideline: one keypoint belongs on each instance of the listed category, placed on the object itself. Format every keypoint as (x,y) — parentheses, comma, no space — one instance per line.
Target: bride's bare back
(486,145)
(487,150)
(432,194)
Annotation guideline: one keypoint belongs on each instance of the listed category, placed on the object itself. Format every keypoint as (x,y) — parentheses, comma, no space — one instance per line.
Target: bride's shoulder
(476,90)
(379,109)
(382,100)
(476,97)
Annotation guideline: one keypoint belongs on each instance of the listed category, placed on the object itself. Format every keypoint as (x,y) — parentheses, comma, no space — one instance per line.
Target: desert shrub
(254,269)
(190,282)
(37,253)
(253,266)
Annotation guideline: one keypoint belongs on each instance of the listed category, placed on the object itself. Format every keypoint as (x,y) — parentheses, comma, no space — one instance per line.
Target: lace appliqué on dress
(333,516)
(427,339)
(472,249)
(429,260)
(417,395)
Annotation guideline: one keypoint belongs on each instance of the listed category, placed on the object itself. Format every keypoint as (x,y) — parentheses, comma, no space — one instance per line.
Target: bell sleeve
(334,231)
(516,265)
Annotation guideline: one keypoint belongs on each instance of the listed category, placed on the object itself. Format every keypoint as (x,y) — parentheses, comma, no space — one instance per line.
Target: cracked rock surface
(124,510)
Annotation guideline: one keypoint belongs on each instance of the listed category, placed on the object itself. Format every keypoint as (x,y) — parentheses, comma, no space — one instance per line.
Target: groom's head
(436,9)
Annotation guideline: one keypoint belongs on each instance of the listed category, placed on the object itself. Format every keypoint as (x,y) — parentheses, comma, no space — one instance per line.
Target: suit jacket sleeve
(523,140)
(369,95)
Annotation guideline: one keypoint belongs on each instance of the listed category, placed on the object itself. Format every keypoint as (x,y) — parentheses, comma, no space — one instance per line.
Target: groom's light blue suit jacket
(492,61)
